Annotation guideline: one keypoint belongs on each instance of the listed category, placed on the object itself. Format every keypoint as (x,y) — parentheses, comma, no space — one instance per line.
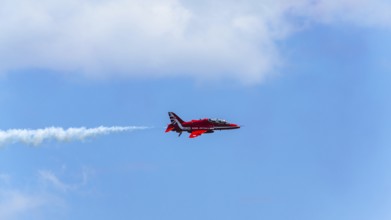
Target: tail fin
(175,119)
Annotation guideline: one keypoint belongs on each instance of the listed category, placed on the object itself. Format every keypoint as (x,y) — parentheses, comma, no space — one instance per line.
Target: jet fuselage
(198,127)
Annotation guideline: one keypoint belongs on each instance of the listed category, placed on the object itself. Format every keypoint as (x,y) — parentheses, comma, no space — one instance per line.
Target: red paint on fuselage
(198,127)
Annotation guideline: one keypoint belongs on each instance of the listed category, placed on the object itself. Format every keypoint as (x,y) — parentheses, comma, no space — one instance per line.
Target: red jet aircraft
(197,127)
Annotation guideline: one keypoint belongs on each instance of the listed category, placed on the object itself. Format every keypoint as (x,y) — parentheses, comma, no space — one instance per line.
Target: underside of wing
(197,133)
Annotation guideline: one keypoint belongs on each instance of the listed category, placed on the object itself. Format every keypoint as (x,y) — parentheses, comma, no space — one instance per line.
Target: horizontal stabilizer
(170,127)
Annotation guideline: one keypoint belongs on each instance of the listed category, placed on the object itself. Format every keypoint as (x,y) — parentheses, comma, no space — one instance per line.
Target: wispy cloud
(26,202)
(5,178)
(156,38)
(16,204)
(36,137)
(50,178)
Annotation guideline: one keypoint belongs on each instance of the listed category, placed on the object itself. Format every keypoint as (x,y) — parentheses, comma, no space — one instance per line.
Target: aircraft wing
(197,133)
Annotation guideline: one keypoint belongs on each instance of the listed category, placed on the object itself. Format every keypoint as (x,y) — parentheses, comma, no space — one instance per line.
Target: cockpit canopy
(218,121)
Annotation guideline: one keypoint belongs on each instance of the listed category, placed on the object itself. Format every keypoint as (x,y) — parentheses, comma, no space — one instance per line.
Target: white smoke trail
(37,136)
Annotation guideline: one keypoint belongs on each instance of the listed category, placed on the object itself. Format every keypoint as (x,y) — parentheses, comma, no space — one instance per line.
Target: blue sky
(311,88)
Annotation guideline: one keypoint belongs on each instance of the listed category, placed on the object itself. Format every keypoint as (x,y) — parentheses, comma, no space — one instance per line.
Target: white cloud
(48,177)
(12,203)
(16,204)
(156,38)
(358,12)
(38,200)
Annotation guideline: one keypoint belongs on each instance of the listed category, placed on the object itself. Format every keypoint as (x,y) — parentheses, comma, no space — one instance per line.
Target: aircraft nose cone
(234,126)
